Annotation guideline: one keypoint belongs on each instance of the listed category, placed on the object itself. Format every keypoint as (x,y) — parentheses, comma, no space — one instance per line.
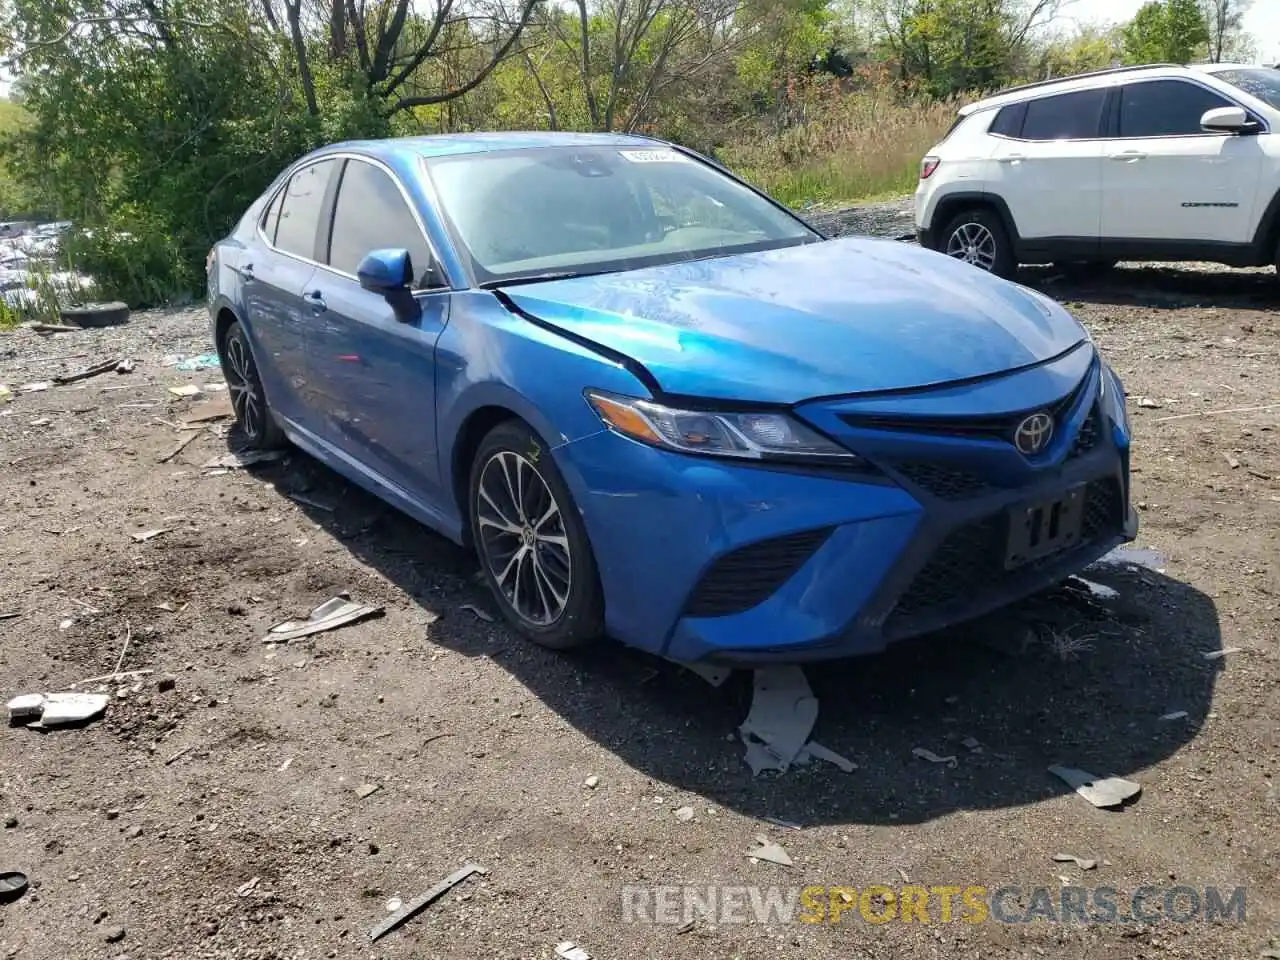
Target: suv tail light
(927,166)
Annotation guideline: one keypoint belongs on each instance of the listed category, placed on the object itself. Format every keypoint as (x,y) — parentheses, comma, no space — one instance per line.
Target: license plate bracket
(1044,527)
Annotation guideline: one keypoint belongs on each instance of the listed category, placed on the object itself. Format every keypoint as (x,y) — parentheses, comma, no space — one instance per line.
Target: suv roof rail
(1085,76)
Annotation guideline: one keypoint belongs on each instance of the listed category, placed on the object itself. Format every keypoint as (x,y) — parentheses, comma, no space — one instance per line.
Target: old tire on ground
(95,314)
(977,236)
(248,398)
(531,541)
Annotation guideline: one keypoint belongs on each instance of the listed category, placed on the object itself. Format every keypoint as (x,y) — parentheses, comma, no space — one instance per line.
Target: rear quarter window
(1008,121)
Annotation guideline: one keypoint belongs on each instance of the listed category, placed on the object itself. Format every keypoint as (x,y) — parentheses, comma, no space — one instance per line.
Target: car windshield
(531,213)
(1261,82)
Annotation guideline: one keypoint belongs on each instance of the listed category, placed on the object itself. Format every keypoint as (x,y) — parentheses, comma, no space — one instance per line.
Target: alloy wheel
(523,538)
(242,382)
(973,243)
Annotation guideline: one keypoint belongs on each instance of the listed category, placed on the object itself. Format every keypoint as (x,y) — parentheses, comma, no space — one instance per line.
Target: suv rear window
(1065,116)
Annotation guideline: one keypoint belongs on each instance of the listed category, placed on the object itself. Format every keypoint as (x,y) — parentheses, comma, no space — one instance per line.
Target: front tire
(977,236)
(531,541)
(248,398)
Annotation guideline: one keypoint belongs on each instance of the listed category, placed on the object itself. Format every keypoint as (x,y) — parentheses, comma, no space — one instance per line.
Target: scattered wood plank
(182,445)
(94,371)
(414,907)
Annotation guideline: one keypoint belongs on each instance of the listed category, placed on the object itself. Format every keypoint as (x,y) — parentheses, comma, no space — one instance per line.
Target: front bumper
(707,560)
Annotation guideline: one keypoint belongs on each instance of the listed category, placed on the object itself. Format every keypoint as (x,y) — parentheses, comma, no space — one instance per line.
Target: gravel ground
(221,818)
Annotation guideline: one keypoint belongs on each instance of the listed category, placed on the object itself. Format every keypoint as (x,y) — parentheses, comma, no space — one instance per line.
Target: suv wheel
(978,237)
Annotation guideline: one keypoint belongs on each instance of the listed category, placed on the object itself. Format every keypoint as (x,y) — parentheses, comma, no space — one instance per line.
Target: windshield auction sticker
(653,156)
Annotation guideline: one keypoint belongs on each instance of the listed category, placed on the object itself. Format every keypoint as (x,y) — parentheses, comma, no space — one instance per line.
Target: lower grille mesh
(969,564)
(748,576)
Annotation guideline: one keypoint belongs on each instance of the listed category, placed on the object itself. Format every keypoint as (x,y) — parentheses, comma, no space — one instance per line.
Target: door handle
(1012,158)
(316,299)
(246,273)
(1129,156)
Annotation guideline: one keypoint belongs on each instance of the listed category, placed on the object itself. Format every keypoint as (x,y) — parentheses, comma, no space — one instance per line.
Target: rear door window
(1064,116)
(301,209)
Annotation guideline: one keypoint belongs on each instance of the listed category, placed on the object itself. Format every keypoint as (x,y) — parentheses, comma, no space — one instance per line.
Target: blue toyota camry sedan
(659,406)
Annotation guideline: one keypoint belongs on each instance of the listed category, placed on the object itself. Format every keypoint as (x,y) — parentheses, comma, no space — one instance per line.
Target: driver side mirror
(390,273)
(1227,120)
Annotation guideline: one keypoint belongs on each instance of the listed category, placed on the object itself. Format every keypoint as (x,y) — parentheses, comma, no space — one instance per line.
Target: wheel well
(474,430)
(950,208)
(225,319)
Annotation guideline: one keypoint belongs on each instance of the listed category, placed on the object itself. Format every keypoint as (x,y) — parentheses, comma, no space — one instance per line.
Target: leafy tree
(1166,31)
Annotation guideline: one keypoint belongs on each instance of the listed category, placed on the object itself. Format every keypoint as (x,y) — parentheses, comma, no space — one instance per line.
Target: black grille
(749,575)
(970,562)
(1088,437)
(998,427)
(949,483)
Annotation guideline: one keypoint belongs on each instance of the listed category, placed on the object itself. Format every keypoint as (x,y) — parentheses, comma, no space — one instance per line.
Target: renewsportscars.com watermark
(722,904)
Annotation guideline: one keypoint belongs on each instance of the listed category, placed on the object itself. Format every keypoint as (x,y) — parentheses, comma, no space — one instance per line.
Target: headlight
(1111,392)
(747,435)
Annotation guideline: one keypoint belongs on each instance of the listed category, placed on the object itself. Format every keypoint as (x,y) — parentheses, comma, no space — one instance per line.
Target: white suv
(1140,163)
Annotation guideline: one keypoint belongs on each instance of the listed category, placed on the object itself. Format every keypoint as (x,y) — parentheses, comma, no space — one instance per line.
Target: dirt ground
(221,818)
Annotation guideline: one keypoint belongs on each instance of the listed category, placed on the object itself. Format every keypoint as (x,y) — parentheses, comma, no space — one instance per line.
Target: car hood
(823,319)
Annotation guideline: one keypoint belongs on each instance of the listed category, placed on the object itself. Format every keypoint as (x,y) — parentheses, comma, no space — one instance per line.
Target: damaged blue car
(659,406)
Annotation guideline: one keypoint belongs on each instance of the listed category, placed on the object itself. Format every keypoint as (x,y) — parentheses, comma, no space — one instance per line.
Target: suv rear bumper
(925,237)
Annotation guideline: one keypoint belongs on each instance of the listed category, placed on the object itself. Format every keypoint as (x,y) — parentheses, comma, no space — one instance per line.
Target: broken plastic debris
(1219,654)
(394,904)
(415,906)
(1099,590)
(932,757)
(1104,792)
(245,458)
(783,712)
(591,782)
(714,675)
(206,361)
(28,706)
(477,612)
(1134,557)
(149,534)
(248,887)
(1080,862)
(816,751)
(366,790)
(338,612)
(571,951)
(684,814)
(66,708)
(39,387)
(770,852)
(186,390)
(1176,715)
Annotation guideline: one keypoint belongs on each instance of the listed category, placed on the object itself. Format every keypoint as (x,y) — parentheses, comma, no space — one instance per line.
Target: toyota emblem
(1033,434)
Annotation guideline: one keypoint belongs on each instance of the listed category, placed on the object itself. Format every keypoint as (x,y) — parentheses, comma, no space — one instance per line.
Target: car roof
(453,144)
(1095,79)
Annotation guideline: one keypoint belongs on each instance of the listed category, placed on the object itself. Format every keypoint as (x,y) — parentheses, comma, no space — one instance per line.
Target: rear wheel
(248,399)
(978,237)
(531,541)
